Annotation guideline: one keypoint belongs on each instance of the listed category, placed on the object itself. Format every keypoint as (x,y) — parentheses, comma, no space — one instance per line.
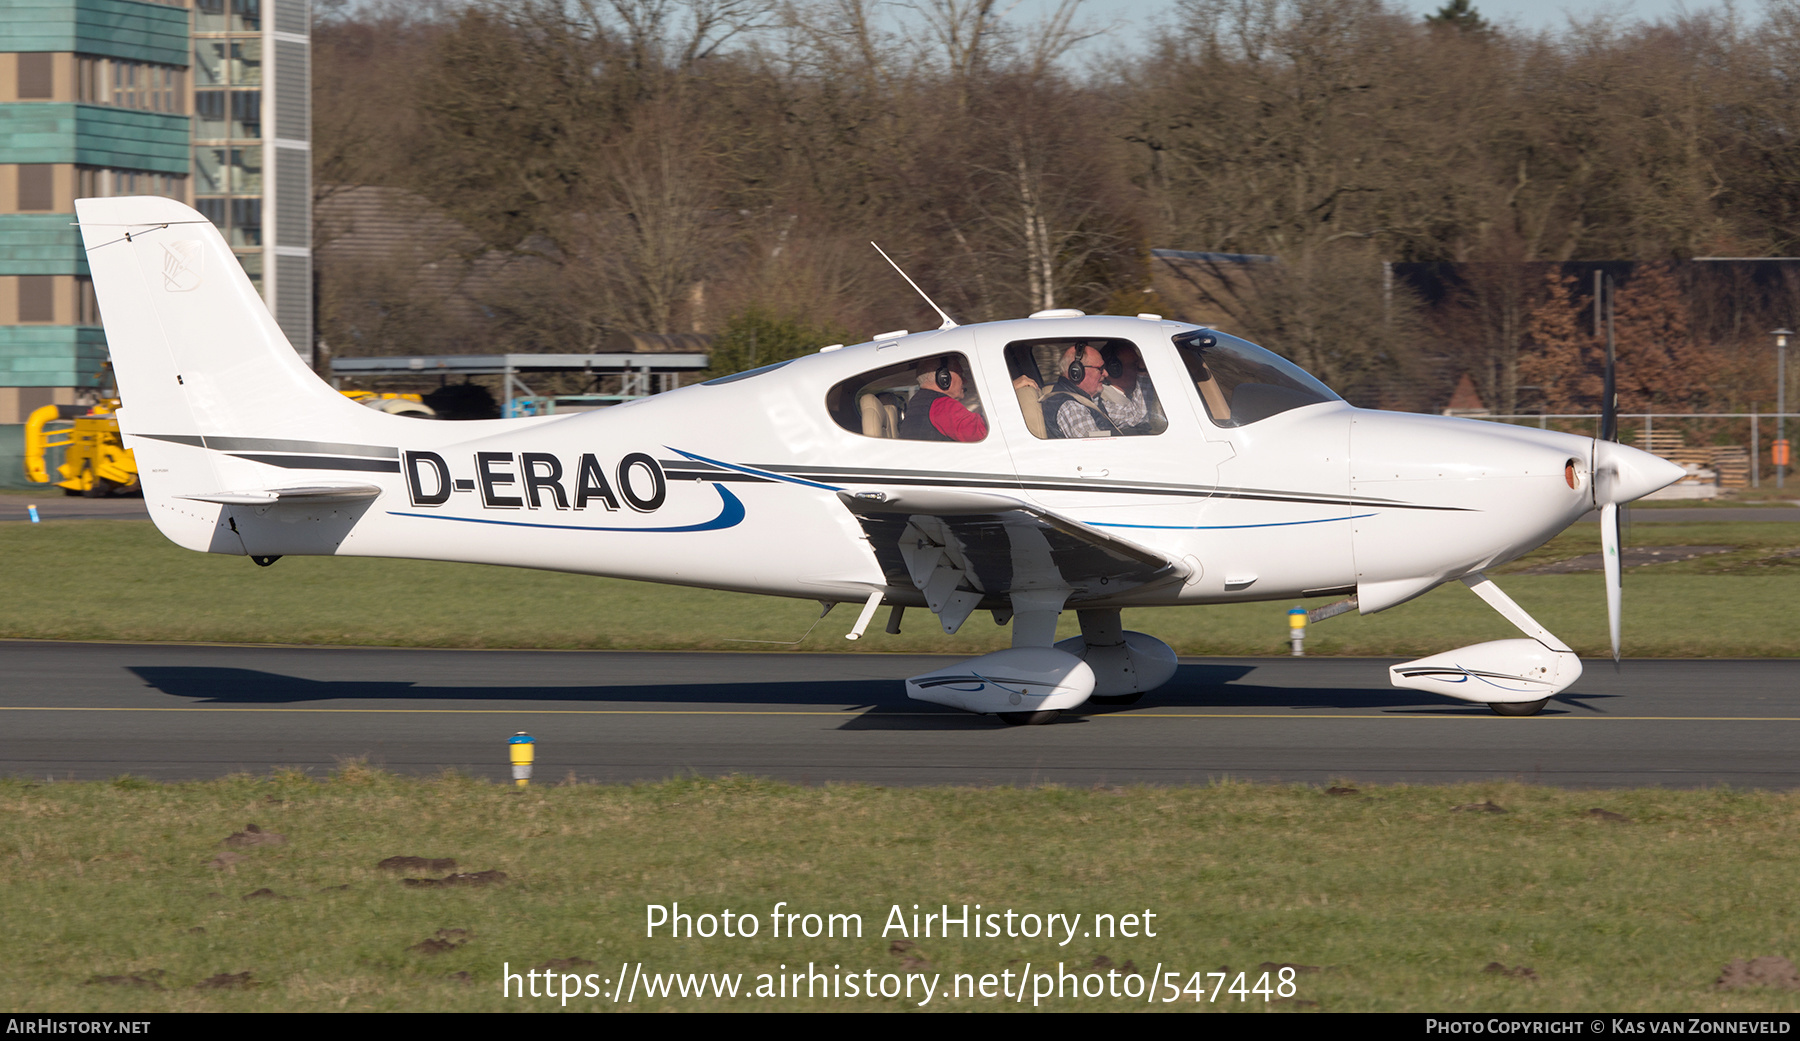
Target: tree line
(721,166)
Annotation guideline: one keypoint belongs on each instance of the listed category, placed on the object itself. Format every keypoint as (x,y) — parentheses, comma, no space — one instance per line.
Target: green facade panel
(94,135)
(12,464)
(51,355)
(110,28)
(40,244)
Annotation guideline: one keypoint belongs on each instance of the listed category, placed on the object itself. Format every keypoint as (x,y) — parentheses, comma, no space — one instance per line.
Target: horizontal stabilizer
(305,495)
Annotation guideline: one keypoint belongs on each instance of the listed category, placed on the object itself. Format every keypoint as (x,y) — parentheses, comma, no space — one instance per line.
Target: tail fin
(194,347)
(201,364)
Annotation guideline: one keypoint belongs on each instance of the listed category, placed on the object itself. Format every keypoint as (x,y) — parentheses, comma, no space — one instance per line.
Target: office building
(205,101)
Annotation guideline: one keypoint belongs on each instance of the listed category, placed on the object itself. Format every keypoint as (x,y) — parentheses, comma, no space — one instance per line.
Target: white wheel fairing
(1140,664)
(1500,671)
(1020,679)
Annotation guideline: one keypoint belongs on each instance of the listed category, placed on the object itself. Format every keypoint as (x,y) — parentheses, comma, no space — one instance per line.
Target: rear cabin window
(1084,388)
(1241,383)
(931,399)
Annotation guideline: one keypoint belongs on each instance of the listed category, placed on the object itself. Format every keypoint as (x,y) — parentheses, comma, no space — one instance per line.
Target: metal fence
(1737,446)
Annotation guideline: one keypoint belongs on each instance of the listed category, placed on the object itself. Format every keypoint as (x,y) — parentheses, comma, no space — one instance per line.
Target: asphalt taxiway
(84,711)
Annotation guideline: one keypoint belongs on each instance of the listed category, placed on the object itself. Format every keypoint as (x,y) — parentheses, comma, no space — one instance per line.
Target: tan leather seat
(880,415)
(1031,405)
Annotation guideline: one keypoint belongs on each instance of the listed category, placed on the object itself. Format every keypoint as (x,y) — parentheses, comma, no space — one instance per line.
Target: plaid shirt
(1080,416)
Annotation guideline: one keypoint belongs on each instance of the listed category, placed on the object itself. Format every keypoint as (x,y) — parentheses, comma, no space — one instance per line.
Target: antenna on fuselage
(949,323)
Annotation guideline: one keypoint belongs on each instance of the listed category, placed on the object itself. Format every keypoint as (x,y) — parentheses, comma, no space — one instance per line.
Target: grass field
(120,580)
(1641,913)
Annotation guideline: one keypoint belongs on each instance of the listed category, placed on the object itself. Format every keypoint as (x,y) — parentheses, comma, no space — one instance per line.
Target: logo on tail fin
(181,266)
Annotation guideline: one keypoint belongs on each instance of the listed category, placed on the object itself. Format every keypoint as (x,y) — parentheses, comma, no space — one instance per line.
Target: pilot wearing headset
(936,411)
(1127,396)
(1075,408)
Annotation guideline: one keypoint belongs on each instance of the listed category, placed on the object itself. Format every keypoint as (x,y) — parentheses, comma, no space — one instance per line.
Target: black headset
(1077,370)
(1114,364)
(943,373)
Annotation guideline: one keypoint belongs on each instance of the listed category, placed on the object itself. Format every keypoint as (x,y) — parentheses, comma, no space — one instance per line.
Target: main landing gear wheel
(1518,708)
(1116,699)
(1027,719)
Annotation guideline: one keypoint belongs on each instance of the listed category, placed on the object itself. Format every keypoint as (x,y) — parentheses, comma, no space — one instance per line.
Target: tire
(1517,708)
(1117,699)
(1029,719)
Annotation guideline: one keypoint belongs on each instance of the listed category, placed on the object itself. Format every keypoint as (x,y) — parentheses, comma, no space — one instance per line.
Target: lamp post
(1781,406)
(1781,445)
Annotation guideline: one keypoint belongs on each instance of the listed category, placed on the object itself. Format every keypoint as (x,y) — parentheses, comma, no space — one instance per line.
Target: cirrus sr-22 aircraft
(1025,468)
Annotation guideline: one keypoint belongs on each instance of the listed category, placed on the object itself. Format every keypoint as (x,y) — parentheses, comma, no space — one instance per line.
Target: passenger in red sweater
(936,411)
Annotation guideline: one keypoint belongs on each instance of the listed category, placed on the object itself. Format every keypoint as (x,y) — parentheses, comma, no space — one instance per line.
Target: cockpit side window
(1075,388)
(931,399)
(1241,383)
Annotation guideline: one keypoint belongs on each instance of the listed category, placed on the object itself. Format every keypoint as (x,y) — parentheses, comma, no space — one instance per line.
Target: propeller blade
(1609,557)
(1609,389)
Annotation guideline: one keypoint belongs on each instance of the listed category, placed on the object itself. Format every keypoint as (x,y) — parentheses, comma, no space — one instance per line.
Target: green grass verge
(120,580)
(113,879)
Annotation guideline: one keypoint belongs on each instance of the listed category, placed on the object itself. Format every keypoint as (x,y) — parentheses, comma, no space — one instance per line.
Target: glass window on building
(171,89)
(239,220)
(90,80)
(140,85)
(246,63)
(218,16)
(209,115)
(246,222)
(228,171)
(93,182)
(246,114)
(209,16)
(210,62)
(212,172)
(246,171)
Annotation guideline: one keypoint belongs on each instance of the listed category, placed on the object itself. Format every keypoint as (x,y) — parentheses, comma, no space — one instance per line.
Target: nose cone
(1623,473)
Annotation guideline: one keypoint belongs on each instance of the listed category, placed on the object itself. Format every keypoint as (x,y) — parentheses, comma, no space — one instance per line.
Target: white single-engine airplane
(1059,462)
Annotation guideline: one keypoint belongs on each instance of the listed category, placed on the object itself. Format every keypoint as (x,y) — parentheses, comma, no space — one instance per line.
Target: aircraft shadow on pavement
(868,704)
(223,686)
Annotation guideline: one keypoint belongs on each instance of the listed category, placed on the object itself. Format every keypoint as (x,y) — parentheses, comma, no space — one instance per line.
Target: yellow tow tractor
(95,462)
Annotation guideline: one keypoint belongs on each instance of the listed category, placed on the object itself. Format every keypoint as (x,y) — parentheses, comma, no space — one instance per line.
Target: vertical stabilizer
(194,347)
(197,356)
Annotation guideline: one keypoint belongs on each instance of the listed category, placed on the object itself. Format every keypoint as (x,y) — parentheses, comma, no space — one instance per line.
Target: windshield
(1240,382)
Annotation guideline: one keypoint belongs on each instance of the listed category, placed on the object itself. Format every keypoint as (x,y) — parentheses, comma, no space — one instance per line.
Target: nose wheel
(1026,719)
(1518,708)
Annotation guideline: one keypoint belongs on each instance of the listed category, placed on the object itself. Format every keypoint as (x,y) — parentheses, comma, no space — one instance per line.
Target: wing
(968,549)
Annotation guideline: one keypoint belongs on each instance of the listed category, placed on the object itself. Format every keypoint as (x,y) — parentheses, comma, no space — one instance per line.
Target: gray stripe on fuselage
(951,479)
(274,444)
(322,462)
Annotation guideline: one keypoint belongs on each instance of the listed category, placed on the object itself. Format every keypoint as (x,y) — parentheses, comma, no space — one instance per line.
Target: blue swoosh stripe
(1228,527)
(731,514)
